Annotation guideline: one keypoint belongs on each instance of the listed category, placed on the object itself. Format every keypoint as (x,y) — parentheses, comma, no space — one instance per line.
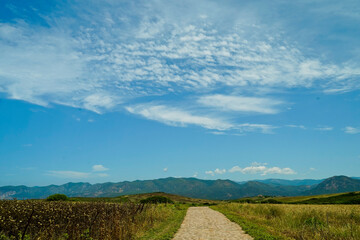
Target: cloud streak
(97,171)
(351,130)
(179,117)
(241,103)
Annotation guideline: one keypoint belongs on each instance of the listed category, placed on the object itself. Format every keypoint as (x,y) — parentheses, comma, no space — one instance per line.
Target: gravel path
(203,223)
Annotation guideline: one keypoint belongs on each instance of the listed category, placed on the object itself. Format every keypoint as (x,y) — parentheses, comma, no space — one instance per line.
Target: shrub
(273,212)
(57,197)
(156,200)
(272,201)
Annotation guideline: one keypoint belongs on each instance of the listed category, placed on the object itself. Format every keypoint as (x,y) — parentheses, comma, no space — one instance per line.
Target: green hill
(336,184)
(189,187)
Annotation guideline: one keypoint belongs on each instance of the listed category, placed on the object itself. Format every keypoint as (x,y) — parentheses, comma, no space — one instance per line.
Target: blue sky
(102,91)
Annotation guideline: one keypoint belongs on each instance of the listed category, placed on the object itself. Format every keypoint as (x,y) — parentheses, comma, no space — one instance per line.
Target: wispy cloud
(351,130)
(69,174)
(241,103)
(210,172)
(97,171)
(324,128)
(296,126)
(99,168)
(179,117)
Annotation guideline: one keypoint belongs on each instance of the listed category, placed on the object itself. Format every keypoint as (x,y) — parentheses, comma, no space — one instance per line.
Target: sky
(108,91)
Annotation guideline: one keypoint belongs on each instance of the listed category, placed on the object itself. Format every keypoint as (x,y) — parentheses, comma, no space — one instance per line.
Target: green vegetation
(337,198)
(88,220)
(157,200)
(346,198)
(169,222)
(136,217)
(269,221)
(57,197)
(136,198)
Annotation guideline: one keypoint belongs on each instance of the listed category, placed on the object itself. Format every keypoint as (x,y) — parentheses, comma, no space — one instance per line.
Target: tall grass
(298,221)
(78,220)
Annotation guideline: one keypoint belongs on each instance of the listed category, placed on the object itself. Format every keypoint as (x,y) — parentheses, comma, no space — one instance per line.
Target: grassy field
(125,217)
(88,220)
(288,221)
(338,198)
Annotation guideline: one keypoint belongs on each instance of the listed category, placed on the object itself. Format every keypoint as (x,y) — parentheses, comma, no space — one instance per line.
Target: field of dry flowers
(79,220)
(285,221)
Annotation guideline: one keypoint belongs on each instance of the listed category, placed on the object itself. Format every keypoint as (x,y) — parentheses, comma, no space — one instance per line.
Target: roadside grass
(285,221)
(250,227)
(169,219)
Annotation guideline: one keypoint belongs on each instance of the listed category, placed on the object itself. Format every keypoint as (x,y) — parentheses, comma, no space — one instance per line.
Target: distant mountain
(297,182)
(336,184)
(189,187)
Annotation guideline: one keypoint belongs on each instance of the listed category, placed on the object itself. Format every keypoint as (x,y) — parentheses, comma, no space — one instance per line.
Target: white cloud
(352,130)
(195,174)
(277,170)
(220,171)
(177,117)
(97,102)
(99,168)
(256,168)
(165,169)
(241,104)
(235,169)
(216,171)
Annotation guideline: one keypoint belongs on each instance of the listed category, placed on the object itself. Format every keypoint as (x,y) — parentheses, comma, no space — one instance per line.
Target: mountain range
(190,187)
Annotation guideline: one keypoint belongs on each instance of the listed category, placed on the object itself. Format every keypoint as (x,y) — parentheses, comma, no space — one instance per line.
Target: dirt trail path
(203,223)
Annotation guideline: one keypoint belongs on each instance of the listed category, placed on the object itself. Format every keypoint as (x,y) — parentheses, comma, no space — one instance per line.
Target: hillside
(335,198)
(297,182)
(336,184)
(189,187)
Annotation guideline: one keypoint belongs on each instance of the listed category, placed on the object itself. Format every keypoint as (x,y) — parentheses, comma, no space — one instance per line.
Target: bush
(273,212)
(57,197)
(156,200)
(272,201)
